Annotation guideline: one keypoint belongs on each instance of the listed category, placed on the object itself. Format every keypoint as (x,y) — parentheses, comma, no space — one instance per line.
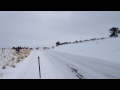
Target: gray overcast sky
(45,28)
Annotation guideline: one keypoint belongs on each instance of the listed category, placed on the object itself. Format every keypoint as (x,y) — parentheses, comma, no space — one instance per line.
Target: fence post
(39,67)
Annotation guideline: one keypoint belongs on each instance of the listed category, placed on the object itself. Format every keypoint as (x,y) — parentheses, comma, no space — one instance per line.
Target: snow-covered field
(107,49)
(88,60)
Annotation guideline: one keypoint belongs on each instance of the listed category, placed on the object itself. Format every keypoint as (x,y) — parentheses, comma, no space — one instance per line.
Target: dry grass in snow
(10,58)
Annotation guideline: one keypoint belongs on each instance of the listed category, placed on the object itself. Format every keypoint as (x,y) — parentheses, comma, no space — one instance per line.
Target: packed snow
(98,59)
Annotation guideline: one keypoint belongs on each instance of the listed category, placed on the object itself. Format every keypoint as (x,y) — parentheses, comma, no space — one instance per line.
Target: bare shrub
(26,52)
(18,57)
(18,60)
(22,57)
(13,66)
(12,58)
(4,67)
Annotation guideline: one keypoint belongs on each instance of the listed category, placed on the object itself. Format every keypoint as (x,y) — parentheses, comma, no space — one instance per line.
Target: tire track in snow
(100,67)
(75,71)
(103,68)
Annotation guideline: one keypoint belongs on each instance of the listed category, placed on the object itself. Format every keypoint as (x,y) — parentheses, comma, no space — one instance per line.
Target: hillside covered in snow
(107,49)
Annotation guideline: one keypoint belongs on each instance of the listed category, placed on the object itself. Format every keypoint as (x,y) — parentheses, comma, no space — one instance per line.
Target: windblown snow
(99,59)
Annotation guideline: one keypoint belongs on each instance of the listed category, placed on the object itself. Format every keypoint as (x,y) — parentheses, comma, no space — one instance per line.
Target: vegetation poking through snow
(9,57)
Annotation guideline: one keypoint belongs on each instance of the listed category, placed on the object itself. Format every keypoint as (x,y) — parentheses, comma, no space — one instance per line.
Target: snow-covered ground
(87,60)
(83,67)
(9,59)
(107,49)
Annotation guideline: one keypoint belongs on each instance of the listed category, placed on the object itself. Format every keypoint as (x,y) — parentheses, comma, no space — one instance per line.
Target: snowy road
(84,67)
(49,69)
(56,65)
